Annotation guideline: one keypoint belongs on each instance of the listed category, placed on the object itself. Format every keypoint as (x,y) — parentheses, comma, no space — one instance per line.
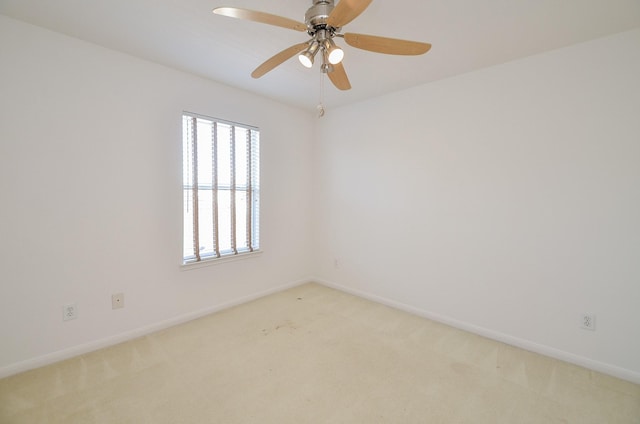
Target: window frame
(241,189)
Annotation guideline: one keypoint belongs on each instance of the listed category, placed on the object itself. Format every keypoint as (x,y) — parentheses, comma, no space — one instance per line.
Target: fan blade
(386,45)
(278,59)
(346,11)
(255,16)
(339,77)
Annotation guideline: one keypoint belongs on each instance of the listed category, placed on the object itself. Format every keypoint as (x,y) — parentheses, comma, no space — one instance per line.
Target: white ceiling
(466,35)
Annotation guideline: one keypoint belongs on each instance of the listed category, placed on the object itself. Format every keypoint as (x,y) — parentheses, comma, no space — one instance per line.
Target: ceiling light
(306,57)
(334,52)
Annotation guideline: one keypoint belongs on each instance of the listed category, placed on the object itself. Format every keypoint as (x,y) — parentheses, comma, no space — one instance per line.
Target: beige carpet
(315,355)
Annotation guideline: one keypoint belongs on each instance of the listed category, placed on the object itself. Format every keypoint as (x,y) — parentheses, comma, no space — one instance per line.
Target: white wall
(91,200)
(504,201)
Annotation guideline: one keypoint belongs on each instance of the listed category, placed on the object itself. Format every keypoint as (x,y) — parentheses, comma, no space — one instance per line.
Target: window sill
(218,261)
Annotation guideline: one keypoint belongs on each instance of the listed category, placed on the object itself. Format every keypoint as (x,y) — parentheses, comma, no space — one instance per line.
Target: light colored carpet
(315,355)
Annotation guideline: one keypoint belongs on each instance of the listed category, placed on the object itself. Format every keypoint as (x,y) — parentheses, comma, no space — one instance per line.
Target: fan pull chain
(320,106)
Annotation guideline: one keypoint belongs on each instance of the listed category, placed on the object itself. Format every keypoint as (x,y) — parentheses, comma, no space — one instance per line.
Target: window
(221,188)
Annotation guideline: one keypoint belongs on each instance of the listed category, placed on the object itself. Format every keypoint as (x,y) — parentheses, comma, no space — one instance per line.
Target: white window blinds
(221,188)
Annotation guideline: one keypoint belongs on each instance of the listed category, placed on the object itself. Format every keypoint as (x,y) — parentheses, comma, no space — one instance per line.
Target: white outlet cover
(117,301)
(70,311)
(588,322)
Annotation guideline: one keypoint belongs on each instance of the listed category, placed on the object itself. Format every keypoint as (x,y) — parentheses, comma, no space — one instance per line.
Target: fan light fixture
(334,52)
(306,57)
(321,41)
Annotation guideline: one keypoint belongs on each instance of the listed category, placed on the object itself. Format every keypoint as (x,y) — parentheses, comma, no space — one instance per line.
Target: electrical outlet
(588,321)
(117,301)
(70,311)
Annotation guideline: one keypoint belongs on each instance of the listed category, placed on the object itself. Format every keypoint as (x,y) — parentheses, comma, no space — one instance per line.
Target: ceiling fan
(323,23)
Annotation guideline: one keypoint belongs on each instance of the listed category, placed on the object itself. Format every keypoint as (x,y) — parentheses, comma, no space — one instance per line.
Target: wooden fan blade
(339,77)
(264,18)
(386,45)
(278,59)
(346,11)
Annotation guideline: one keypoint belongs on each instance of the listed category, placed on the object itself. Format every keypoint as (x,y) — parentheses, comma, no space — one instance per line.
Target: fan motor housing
(318,13)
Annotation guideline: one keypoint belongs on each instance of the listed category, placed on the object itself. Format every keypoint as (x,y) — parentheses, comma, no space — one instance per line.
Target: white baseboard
(551,352)
(71,352)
